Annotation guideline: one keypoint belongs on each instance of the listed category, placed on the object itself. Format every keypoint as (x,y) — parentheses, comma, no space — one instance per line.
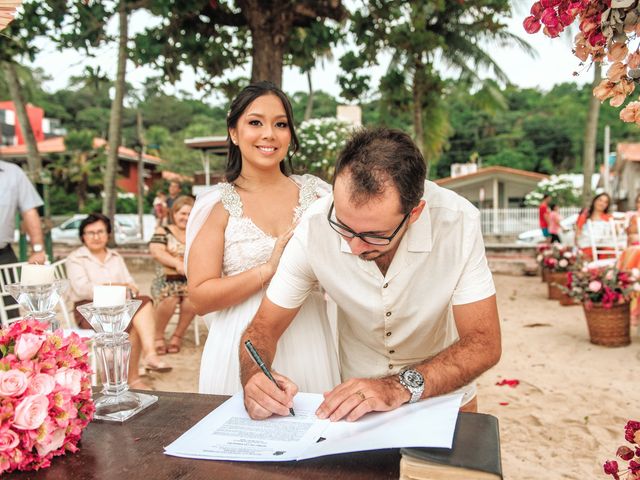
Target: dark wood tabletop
(134,450)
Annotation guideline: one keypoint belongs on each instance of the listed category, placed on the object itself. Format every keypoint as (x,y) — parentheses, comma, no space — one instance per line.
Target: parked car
(534,236)
(126,229)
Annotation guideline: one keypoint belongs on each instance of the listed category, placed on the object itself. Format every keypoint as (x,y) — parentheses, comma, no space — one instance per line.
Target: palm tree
(426,36)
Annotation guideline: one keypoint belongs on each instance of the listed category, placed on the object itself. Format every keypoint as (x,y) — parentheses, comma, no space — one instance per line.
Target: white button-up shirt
(386,323)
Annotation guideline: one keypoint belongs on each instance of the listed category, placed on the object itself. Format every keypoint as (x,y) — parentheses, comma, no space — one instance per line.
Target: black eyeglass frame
(365,235)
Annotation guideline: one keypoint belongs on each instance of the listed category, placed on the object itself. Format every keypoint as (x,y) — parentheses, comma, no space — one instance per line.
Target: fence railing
(512,221)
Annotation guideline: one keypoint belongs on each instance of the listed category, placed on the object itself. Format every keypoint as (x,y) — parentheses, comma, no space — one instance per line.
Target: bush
(321,140)
(561,189)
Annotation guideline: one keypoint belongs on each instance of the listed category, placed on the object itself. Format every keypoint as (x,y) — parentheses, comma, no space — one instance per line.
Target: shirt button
(385,285)
(388,314)
(388,334)
(392,352)
(390,367)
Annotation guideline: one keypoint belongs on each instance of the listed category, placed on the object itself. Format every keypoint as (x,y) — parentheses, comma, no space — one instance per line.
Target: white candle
(109,295)
(37,274)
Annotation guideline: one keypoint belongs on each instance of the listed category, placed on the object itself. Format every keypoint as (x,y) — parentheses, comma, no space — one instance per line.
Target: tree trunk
(418,128)
(308,111)
(141,145)
(115,122)
(83,184)
(590,136)
(270,32)
(33,157)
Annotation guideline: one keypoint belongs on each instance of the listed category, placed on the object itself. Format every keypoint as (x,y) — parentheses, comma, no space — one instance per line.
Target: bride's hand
(278,248)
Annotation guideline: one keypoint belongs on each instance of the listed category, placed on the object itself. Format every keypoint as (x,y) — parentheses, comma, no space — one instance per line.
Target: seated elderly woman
(95,264)
(170,286)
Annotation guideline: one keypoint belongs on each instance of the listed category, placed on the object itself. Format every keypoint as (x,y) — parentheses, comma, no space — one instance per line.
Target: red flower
(625,453)
(611,468)
(630,430)
(531,24)
(550,18)
(536,10)
(511,383)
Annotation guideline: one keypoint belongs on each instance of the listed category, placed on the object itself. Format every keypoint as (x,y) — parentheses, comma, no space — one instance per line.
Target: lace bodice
(245,245)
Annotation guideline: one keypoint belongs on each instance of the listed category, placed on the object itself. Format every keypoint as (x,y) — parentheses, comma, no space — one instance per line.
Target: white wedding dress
(306,351)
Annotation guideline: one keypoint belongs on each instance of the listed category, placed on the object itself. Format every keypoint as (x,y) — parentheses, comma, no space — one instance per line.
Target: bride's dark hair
(237,108)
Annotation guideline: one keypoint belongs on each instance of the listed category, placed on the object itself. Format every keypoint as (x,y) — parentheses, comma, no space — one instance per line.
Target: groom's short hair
(373,158)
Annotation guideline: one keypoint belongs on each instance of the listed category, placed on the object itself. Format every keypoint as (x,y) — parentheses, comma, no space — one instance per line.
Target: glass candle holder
(40,301)
(113,351)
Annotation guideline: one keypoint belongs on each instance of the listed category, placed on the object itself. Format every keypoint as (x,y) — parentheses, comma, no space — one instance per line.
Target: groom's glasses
(366,237)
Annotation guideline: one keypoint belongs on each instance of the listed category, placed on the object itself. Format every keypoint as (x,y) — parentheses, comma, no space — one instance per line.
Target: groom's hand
(263,399)
(355,397)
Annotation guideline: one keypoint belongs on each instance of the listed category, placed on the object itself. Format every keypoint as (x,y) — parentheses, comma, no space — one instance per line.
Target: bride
(235,237)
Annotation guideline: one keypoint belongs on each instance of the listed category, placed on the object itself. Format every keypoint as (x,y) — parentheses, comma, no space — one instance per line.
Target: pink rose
(31,412)
(8,440)
(70,379)
(42,383)
(51,443)
(595,285)
(13,383)
(28,345)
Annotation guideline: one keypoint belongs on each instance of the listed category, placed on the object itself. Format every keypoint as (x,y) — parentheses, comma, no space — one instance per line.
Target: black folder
(476,448)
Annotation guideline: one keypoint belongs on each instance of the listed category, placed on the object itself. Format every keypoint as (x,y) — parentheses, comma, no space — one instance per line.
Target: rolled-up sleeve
(294,278)
(476,281)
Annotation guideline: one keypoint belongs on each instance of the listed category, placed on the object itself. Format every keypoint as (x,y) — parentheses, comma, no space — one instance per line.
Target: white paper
(228,433)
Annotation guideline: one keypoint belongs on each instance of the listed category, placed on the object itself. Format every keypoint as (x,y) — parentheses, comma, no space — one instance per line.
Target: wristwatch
(413,381)
(37,248)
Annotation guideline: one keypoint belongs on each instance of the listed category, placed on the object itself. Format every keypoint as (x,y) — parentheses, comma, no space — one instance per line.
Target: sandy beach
(566,416)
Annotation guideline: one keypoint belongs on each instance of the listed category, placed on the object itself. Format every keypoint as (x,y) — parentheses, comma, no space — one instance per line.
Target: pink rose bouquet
(630,455)
(45,395)
(606,286)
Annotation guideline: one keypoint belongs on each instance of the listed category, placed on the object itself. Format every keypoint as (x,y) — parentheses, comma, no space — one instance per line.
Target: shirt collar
(83,251)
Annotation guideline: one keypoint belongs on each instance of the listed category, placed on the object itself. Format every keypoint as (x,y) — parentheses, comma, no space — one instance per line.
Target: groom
(404,260)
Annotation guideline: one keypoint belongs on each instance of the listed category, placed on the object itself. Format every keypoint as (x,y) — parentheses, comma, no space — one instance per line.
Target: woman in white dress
(235,237)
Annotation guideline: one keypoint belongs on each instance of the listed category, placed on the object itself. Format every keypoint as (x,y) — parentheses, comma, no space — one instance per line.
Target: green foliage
(416,33)
(353,83)
(324,105)
(321,140)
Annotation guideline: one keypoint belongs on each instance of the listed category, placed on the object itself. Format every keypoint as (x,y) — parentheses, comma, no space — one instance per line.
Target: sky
(554,63)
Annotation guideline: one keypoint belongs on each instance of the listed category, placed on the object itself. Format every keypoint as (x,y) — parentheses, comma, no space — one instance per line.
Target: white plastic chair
(195,322)
(9,273)
(607,241)
(70,326)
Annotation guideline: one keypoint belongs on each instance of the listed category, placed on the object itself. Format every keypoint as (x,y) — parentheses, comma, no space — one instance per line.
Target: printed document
(228,433)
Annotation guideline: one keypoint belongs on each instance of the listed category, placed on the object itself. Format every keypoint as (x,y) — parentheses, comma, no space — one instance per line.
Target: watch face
(413,378)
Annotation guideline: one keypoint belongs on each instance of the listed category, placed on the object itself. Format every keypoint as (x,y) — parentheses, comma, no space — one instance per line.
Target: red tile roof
(56,145)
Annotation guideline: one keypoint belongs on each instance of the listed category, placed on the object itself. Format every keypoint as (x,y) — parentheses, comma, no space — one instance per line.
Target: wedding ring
(361,395)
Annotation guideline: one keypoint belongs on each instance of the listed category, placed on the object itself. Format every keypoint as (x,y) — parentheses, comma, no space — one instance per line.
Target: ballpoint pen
(256,358)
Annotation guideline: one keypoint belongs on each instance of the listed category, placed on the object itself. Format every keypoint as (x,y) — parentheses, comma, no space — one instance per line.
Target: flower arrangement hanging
(608,31)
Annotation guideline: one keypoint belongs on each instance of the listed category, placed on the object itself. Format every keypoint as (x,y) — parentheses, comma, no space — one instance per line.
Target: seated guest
(95,264)
(598,214)
(170,286)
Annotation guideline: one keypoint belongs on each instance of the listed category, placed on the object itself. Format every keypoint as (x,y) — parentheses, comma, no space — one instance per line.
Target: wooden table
(134,450)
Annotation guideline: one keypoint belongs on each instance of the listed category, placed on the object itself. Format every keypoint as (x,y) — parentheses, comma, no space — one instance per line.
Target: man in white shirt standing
(404,260)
